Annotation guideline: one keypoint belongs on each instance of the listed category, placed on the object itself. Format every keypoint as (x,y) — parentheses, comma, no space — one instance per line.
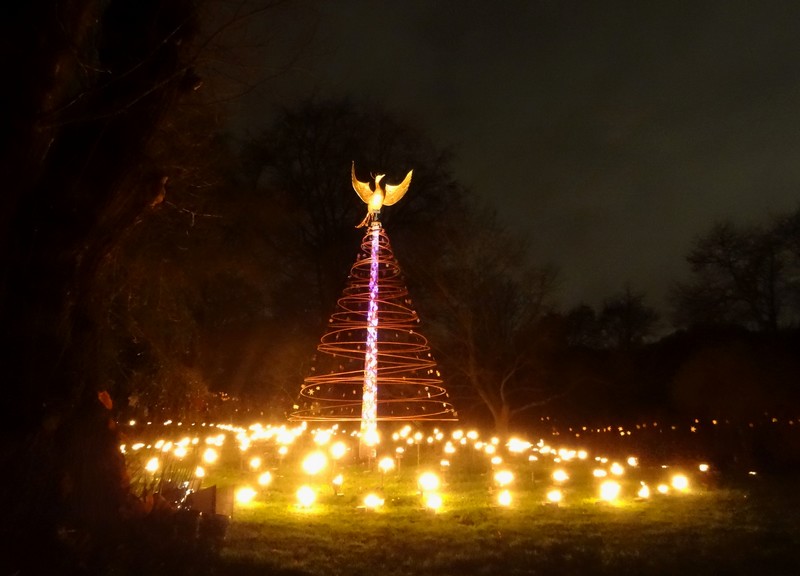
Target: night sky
(609,134)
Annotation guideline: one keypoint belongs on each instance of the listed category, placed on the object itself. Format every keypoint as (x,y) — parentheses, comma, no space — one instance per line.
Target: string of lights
(372,338)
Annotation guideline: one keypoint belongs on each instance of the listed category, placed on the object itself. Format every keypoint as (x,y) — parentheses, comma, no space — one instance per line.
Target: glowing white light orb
(703,467)
(504,498)
(373,501)
(306,496)
(680,482)
(609,490)
(662,488)
(560,475)
(599,473)
(518,446)
(433,502)
(152,465)
(633,461)
(265,479)
(199,472)
(245,495)
(504,477)
(644,491)
(322,437)
(428,482)
(338,450)
(338,480)
(617,469)
(210,456)
(555,496)
(255,462)
(314,463)
(386,464)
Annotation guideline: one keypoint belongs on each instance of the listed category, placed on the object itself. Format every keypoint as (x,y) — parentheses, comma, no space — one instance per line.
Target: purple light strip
(369,399)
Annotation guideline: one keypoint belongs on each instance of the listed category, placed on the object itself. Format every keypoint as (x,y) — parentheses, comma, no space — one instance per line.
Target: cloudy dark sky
(610,134)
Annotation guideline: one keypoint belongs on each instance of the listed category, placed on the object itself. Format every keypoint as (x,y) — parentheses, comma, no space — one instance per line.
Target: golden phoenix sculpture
(382,195)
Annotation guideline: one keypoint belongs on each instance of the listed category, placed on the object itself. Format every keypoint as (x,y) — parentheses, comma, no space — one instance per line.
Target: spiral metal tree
(372,363)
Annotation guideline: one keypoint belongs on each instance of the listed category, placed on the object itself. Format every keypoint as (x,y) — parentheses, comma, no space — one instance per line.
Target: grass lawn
(737,525)
(724,531)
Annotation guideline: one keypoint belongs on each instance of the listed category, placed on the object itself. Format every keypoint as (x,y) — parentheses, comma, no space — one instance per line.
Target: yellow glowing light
(306,496)
(496,460)
(322,437)
(555,496)
(433,502)
(314,463)
(703,467)
(338,480)
(560,475)
(680,482)
(458,434)
(210,456)
(338,450)
(633,461)
(386,464)
(518,446)
(428,482)
(609,490)
(137,446)
(255,462)
(599,473)
(644,491)
(245,495)
(504,498)
(504,477)
(179,452)
(265,478)
(472,435)
(662,488)
(283,450)
(158,445)
(373,501)
(617,469)
(152,465)
(166,447)
(449,448)
(489,449)
(199,472)
(583,454)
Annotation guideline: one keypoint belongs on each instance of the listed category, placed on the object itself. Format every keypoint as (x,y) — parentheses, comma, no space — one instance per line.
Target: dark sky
(610,134)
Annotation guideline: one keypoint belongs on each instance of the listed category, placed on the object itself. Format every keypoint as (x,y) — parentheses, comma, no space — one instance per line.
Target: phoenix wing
(362,188)
(394,193)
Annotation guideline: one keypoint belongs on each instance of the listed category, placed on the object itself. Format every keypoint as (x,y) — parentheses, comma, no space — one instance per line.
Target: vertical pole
(369,399)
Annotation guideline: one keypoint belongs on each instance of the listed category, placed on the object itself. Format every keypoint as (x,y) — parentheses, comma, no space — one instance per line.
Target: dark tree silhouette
(85,154)
(741,275)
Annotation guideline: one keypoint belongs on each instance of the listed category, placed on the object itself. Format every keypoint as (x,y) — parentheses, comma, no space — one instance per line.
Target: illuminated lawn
(743,524)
